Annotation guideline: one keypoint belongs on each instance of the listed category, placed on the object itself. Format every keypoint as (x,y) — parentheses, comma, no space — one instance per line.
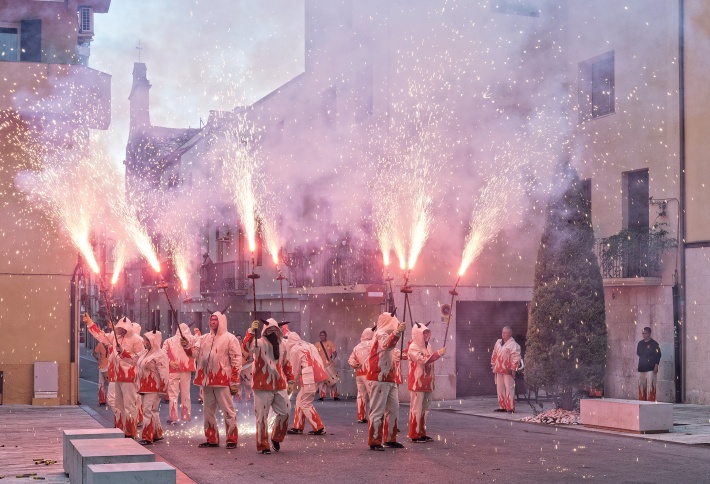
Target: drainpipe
(73,339)
(680,346)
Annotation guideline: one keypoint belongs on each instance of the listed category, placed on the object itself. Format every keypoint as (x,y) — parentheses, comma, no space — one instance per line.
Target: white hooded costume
(358,360)
(218,361)
(420,380)
(181,368)
(308,371)
(381,373)
(153,377)
(272,372)
(122,370)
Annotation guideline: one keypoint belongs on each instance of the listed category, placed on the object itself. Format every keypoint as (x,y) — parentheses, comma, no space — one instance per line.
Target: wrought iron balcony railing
(224,277)
(334,266)
(633,253)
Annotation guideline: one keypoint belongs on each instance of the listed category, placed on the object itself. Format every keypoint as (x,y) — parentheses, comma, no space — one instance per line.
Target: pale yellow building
(47,96)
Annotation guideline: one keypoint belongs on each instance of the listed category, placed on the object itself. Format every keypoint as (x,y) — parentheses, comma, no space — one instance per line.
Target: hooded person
(308,371)
(181,369)
(272,372)
(358,360)
(137,331)
(123,350)
(153,376)
(381,373)
(218,361)
(420,380)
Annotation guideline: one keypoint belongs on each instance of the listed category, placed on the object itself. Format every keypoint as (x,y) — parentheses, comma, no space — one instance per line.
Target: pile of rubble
(555,416)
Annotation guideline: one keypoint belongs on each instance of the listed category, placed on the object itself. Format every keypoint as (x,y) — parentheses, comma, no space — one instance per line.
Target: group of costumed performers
(279,363)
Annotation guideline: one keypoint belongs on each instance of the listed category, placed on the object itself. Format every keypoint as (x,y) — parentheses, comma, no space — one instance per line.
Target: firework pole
(406,289)
(164,286)
(253,276)
(104,292)
(281,278)
(451,309)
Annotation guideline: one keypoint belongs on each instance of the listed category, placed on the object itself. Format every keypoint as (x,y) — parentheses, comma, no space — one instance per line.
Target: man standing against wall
(505,361)
(649,353)
(326,350)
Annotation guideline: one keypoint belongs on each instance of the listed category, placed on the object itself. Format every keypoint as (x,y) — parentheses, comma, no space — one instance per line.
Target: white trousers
(222,398)
(179,384)
(384,410)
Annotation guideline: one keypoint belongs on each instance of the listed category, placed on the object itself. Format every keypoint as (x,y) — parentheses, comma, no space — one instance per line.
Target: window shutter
(31,41)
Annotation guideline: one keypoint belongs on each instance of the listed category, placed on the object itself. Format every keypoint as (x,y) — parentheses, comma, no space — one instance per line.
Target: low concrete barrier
(152,472)
(68,435)
(629,415)
(105,451)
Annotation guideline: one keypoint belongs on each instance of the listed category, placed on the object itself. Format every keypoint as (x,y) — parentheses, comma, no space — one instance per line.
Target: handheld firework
(104,294)
(406,289)
(164,286)
(448,309)
(281,278)
(253,276)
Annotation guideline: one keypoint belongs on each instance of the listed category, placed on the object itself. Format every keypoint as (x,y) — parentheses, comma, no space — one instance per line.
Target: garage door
(478,327)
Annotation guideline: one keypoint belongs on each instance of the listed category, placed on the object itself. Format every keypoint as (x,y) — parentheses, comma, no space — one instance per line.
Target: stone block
(152,472)
(630,415)
(68,435)
(105,451)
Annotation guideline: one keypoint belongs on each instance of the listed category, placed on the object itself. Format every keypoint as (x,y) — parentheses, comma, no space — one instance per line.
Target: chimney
(139,99)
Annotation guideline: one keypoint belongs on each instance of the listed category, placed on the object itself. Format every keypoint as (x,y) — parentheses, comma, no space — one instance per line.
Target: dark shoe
(200,401)
(317,432)
(156,439)
(500,410)
(145,442)
(377,447)
(336,399)
(394,445)
(276,445)
(511,411)
(207,444)
(320,399)
(172,422)
(294,431)
(362,421)
(419,440)
(427,439)
(231,445)
(266,451)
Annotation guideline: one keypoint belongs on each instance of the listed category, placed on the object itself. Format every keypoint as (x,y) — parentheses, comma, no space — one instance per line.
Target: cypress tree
(567,339)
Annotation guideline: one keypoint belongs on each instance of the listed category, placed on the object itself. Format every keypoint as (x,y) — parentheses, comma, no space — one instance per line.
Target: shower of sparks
(241,167)
(408,164)
(66,187)
(120,257)
(519,163)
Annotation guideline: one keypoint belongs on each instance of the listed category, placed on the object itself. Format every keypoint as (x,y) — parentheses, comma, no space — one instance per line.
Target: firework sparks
(240,170)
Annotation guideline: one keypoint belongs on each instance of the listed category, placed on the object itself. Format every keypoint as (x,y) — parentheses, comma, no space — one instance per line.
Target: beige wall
(34,284)
(697,329)
(697,102)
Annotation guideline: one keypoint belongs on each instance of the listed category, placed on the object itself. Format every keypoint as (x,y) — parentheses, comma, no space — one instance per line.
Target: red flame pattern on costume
(211,434)
(148,384)
(220,378)
(379,354)
(185,363)
(123,376)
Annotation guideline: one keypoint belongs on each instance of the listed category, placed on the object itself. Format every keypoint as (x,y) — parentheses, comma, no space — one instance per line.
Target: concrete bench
(630,415)
(105,451)
(73,434)
(152,472)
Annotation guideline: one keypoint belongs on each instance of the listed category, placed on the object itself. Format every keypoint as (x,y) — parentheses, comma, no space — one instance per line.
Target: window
(636,200)
(515,7)
(86,20)
(9,44)
(596,87)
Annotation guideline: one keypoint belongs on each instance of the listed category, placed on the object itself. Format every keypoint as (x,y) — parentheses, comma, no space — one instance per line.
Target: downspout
(73,340)
(681,363)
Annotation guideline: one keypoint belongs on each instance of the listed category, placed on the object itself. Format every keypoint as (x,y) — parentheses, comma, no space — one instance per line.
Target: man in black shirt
(649,354)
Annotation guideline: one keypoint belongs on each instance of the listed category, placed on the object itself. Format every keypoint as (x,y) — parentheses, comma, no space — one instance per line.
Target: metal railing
(224,277)
(333,266)
(633,253)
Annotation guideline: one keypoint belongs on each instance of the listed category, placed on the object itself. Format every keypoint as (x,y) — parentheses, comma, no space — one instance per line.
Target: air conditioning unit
(86,20)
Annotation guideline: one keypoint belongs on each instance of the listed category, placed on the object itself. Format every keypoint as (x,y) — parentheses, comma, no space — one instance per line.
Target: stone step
(630,415)
(73,434)
(152,472)
(105,451)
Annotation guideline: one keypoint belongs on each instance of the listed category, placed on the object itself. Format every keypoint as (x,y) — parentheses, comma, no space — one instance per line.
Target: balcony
(57,91)
(334,266)
(228,278)
(633,254)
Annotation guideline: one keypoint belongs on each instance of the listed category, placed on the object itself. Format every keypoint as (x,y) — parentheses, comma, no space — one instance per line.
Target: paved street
(468,448)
